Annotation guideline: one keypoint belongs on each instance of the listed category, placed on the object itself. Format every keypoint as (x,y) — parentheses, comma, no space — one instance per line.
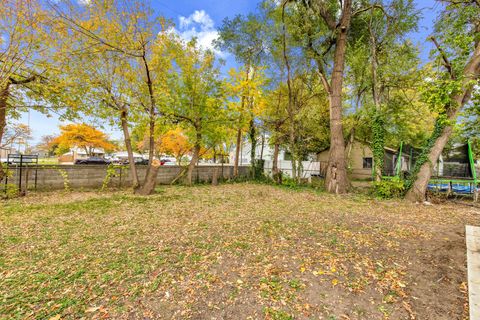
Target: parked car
(141,161)
(168,162)
(92,160)
(124,161)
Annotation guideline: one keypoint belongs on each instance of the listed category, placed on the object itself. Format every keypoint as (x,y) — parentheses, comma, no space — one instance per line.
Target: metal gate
(18,168)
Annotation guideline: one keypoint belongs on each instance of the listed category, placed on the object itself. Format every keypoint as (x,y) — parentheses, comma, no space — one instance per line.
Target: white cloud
(201,26)
(80,2)
(199,17)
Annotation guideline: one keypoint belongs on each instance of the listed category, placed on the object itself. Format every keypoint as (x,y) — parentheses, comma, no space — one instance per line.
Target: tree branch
(446,62)
(24,81)
(375,6)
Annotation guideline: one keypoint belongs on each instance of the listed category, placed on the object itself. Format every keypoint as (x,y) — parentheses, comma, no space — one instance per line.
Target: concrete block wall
(93,176)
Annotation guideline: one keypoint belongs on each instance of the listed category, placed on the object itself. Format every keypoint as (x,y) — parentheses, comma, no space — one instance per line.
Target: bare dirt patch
(241,251)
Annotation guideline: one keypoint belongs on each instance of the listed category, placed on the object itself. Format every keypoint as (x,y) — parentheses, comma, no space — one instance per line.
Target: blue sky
(200,18)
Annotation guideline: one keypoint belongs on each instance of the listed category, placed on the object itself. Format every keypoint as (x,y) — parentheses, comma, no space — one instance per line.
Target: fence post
(473,265)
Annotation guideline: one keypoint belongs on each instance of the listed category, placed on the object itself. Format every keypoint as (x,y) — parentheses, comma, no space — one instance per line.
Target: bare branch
(375,6)
(446,62)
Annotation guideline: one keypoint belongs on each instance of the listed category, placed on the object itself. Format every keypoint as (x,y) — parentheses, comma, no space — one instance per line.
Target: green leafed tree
(198,100)
(457,56)
(243,36)
(122,55)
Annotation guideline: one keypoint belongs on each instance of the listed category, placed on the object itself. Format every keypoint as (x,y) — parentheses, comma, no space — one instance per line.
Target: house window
(367,163)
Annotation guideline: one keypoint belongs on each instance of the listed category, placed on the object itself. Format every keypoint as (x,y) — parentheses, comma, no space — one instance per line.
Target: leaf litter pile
(236,251)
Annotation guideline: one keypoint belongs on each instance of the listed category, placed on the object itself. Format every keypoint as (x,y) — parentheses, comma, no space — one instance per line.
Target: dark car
(138,161)
(92,160)
(142,162)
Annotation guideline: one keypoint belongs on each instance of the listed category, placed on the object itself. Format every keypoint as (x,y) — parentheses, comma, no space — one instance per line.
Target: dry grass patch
(241,251)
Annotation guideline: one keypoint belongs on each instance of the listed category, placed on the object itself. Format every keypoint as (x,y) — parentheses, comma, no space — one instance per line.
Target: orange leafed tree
(175,143)
(84,137)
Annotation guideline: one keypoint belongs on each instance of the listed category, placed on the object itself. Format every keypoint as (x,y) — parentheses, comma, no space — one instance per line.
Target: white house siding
(309,168)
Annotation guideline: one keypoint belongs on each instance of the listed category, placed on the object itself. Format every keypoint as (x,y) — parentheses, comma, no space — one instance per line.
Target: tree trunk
(275,171)
(471,72)
(215,177)
(195,156)
(151,114)
(378,135)
(3,119)
(148,187)
(293,152)
(150,180)
(128,145)
(349,147)
(263,146)
(290,110)
(237,152)
(336,180)
(253,142)
(151,142)
(193,162)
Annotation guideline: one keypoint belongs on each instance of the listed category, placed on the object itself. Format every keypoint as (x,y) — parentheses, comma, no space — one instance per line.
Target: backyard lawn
(235,251)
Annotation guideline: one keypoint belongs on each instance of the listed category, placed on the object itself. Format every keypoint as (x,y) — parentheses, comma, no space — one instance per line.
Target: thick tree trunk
(148,187)
(471,72)
(193,163)
(150,180)
(128,145)
(237,152)
(195,156)
(336,180)
(275,171)
(419,189)
(215,176)
(3,119)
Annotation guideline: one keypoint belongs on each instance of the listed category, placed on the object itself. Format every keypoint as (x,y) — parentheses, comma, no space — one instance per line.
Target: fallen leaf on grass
(92,309)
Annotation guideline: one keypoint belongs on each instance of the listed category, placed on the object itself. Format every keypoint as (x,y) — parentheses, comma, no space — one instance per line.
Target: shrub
(11,191)
(388,189)
(288,182)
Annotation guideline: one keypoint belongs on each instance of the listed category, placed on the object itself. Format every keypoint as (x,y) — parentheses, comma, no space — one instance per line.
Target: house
(265,152)
(360,160)
(79,153)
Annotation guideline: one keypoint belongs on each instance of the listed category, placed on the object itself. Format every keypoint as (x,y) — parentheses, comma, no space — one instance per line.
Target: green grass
(49,161)
(233,251)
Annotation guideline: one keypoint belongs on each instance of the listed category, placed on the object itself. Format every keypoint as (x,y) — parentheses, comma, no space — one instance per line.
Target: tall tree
(198,101)
(126,49)
(331,20)
(23,43)
(246,90)
(457,42)
(383,63)
(243,37)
